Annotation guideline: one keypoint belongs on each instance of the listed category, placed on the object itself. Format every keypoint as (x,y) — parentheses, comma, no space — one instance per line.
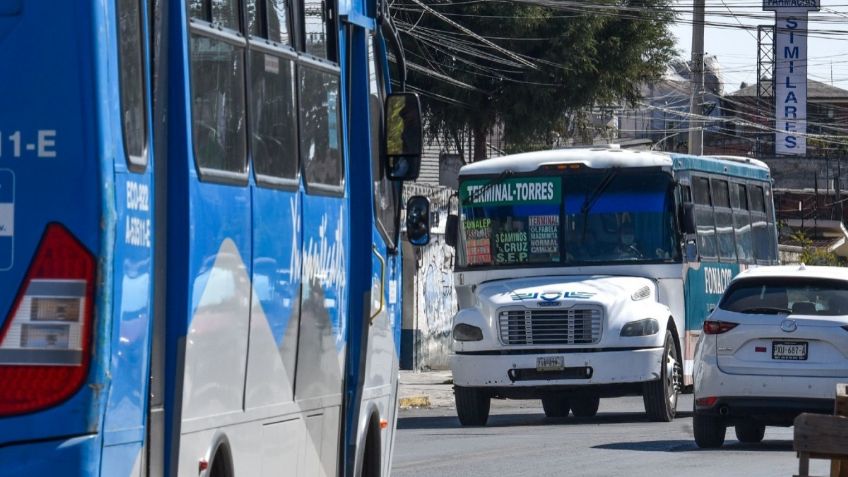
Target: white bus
(587,273)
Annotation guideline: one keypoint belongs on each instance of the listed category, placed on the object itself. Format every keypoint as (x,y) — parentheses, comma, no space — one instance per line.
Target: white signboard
(790,88)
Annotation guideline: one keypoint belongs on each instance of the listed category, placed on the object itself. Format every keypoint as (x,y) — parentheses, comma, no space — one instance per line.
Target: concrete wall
(429,296)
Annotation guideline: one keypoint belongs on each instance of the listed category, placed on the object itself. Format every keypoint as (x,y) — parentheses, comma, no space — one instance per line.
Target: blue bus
(199,225)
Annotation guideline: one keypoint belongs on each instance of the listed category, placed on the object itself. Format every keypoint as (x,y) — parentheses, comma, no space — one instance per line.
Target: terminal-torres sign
(790,82)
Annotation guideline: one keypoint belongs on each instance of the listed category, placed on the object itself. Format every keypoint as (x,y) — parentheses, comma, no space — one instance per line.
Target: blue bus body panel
(67,457)
(69,179)
(703,289)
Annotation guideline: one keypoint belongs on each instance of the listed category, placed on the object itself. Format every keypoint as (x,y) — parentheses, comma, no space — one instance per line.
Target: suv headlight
(646,327)
(464,332)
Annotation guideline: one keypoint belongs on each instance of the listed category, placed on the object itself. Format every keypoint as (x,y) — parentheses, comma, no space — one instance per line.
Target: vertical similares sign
(790,82)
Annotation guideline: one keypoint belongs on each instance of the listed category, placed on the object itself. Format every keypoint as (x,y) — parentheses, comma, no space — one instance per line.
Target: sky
(730,34)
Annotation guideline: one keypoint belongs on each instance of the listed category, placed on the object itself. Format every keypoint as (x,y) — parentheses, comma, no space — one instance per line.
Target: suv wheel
(709,431)
(750,432)
(472,406)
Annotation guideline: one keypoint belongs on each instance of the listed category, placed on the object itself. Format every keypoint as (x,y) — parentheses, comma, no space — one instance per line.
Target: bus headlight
(464,332)
(646,327)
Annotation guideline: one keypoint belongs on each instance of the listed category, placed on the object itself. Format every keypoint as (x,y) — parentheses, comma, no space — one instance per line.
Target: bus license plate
(789,350)
(550,363)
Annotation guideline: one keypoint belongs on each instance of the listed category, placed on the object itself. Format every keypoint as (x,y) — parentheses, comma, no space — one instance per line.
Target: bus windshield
(577,217)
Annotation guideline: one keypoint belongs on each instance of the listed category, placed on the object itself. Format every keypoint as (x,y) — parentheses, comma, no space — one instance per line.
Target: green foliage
(583,57)
(811,255)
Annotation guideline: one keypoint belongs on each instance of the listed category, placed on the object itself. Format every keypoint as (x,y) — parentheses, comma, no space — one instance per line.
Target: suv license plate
(789,350)
(550,363)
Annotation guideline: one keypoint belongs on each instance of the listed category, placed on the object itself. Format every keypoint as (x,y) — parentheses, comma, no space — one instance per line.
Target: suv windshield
(787,295)
(585,216)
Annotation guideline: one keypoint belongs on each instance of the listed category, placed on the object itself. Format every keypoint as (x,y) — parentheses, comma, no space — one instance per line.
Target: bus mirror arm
(690,250)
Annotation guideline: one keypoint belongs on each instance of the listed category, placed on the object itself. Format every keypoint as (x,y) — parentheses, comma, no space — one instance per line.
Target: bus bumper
(580,369)
(75,456)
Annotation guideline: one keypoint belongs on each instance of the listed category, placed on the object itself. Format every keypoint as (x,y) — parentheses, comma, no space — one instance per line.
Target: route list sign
(790,81)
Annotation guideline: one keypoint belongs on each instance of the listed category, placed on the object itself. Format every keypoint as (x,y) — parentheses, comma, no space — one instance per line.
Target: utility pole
(696,105)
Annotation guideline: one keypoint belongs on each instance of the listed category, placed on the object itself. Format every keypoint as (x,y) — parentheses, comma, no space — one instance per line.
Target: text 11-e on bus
(199,222)
(587,273)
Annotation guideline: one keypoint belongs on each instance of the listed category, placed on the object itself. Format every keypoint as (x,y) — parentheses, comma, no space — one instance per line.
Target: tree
(536,70)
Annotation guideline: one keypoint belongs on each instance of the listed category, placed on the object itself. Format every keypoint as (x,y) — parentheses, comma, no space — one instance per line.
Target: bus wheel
(586,406)
(555,406)
(660,396)
(472,406)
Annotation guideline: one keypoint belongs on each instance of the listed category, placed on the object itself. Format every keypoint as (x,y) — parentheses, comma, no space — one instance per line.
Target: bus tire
(585,406)
(472,406)
(750,432)
(555,406)
(660,396)
(709,431)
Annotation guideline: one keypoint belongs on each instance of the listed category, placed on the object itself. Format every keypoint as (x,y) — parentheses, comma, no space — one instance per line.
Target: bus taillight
(45,342)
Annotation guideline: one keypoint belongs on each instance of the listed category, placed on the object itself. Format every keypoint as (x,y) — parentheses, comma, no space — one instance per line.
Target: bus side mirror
(452,230)
(403,136)
(690,251)
(689,227)
(418,220)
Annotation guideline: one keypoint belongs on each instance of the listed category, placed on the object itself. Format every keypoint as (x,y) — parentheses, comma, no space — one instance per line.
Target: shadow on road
(528,419)
(689,446)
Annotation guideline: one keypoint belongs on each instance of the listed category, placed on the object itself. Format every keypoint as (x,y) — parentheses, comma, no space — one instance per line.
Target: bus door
(56,225)
(326,230)
(209,235)
(277,208)
(132,262)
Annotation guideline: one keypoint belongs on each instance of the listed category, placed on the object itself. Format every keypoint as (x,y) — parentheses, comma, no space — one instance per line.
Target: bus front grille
(571,326)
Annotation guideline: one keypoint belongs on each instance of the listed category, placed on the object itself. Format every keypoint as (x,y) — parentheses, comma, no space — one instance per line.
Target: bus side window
(132,84)
(759,223)
(272,112)
(742,225)
(386,191)
(318,38)
(320,130)
(724,220)
(218,90)
(704,218)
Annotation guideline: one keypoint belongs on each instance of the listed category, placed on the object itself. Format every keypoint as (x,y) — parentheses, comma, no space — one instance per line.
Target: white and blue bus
(199,215)
(588,273)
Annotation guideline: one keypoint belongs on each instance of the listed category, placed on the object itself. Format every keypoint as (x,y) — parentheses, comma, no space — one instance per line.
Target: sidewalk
(425,389)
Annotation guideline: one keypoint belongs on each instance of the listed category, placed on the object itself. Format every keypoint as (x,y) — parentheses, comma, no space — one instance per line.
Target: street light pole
(696,105)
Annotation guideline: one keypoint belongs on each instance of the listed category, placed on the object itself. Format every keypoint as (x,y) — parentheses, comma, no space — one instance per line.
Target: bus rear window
(787,295)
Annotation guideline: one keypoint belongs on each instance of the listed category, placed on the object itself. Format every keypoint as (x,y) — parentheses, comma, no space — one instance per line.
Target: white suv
(775,347)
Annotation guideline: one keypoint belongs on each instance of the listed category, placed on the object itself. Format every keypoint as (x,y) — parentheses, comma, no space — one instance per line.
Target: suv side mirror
(452,230)
(403,136)
(418,220)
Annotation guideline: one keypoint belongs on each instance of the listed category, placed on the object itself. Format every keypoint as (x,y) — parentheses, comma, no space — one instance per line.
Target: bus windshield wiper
(497,180)
(592,197)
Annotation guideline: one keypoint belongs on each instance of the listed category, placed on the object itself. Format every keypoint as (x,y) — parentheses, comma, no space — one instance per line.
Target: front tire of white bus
(585,406)
(556,406)
(472,406)
(660,396)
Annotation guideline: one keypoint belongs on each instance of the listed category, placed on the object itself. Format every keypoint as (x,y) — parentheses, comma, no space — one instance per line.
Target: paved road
(619,441)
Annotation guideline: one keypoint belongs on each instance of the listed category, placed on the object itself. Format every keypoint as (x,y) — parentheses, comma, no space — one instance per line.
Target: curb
(414,401)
